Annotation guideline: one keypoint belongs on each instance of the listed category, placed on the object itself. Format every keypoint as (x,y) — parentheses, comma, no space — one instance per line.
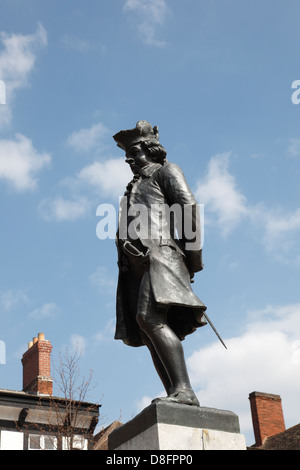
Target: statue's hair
(155,150)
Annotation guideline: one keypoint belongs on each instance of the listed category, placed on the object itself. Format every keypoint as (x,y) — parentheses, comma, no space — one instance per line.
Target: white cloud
(20,162)
(227,206)
(48,310)
(11,298)
(294,148)
(60,209)
(99,180)
(282,230)
(218,191)
(266,358)
(152,15)
(108,178)
(87,140)
(17,60)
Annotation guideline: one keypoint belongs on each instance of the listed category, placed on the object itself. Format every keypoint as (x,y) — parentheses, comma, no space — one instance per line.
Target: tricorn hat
(142,131)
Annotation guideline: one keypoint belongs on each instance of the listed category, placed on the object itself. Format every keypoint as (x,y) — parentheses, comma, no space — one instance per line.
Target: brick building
(34,419)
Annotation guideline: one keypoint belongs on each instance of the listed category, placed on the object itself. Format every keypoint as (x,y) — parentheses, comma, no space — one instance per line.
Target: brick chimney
(267,416)
(37,367)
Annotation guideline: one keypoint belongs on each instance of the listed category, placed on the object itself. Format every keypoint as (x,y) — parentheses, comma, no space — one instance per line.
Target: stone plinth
(164,425)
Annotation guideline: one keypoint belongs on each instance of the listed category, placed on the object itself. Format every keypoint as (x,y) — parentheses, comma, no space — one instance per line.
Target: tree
(66,421)
(74,390)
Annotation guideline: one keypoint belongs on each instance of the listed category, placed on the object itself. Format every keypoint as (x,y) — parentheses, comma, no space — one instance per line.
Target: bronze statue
(158,253)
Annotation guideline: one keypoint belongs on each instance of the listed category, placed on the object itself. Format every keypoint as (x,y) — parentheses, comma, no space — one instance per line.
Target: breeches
(148,314)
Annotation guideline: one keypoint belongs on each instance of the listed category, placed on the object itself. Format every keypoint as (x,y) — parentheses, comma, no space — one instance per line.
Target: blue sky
(216,77)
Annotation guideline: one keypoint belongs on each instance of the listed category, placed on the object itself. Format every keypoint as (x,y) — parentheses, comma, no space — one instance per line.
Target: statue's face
(137,158)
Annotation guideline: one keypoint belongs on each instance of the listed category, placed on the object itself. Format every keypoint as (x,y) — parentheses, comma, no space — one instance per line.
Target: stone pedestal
(172,426)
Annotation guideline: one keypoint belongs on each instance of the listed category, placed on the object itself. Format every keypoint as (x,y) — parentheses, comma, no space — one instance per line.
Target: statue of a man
(158,254)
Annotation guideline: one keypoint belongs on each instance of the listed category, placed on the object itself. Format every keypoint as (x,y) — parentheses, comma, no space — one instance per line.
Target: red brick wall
(37,368)
(267,415)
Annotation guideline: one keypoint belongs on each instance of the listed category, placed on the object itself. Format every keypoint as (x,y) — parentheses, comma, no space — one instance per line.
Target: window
(79,443)
(50,443)
(34,442)
(11,440)
(37,442)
